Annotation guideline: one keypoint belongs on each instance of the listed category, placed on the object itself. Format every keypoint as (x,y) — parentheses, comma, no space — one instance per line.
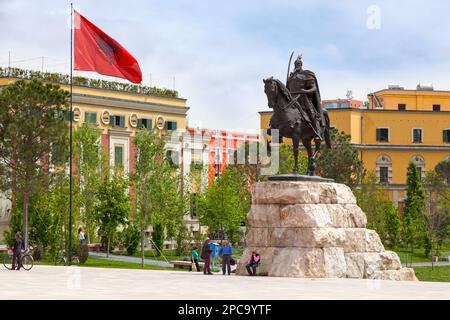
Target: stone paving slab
(74,283)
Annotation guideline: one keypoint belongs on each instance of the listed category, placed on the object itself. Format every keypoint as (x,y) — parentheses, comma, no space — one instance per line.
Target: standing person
(253,262)
(81,237)
(206,255)
(17,248)
(226,251)
(194,259)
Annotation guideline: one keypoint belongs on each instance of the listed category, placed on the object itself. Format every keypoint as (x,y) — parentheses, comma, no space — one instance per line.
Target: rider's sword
(289,68)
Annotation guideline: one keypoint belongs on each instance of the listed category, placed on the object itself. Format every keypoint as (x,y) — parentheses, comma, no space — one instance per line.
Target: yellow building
(397,126)
(118,110)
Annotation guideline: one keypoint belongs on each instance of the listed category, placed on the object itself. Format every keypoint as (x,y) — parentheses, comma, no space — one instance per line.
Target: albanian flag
(96,51)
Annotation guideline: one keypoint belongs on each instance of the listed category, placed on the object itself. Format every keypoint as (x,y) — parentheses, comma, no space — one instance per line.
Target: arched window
(384,169)
(420,163)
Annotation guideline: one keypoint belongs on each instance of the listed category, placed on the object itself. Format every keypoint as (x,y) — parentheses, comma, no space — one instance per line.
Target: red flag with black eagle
(96,51)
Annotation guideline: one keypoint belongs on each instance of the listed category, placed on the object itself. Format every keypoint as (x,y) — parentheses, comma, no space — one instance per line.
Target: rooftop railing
(85,82)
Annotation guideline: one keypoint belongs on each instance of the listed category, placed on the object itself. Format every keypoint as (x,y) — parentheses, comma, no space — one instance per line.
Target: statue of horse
(290,118)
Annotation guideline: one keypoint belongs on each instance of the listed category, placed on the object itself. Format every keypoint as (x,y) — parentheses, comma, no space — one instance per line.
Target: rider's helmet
(298,62)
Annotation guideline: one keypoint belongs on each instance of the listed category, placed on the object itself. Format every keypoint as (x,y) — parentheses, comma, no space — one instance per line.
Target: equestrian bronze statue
(297,113)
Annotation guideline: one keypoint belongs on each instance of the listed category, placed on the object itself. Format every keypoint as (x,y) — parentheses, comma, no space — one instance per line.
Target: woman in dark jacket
(206,255)
(17,251)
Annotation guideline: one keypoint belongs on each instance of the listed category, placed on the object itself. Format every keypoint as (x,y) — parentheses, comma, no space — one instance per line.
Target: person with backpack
(206,256)
(17,252)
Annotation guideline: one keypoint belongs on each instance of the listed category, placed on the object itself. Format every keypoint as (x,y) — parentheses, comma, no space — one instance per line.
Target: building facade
(117,111)
(397,127)
(342,104)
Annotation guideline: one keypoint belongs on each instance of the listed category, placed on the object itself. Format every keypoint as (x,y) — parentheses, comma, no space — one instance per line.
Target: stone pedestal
(315,229)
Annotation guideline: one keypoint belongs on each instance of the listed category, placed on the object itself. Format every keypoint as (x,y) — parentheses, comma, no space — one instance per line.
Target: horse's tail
(327,129)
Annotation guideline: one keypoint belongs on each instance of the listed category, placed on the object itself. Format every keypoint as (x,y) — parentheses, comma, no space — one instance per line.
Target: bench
(185,264)
(94,247)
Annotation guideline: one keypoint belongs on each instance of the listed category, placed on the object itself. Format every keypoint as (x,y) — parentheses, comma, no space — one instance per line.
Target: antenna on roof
(349,94)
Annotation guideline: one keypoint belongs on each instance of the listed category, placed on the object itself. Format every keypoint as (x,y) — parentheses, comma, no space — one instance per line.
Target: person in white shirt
(81,237)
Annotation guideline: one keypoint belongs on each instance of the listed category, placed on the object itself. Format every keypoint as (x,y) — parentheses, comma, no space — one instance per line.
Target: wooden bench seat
(185,264)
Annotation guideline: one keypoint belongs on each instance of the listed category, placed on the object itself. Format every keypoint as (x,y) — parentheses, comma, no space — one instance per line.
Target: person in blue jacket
(226,251)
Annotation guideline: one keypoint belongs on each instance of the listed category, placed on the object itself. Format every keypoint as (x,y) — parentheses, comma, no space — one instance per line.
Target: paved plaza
(49,282)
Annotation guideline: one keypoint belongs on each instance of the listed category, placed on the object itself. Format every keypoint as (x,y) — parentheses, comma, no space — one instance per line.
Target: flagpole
(70,137)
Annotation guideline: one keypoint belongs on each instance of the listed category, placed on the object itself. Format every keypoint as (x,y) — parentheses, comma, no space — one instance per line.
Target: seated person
(253,262)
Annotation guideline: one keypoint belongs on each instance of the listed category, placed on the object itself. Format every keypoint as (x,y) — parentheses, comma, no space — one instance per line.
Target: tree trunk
(26,200)
(109,244)
(142,247)
(88,227)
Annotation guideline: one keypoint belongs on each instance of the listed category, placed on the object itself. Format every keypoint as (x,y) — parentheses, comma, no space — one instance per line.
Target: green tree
(158,237)
(160,202)
(49,218)
(113,205)
(437,203)
(87,155)
(15,224)
(224,205)
(32,127)
(131,238)
(442,170)
(381,214)
(413,216)
(341,162)
(392,224)
(286,162)
(371,198)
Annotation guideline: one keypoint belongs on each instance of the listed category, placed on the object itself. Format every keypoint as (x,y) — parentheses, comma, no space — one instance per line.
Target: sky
(216,53)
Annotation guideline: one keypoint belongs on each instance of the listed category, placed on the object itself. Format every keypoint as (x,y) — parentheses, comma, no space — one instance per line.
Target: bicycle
(64,260)
(25,260)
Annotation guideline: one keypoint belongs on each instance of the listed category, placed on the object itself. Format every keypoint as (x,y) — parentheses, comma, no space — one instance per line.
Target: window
(382,134)
(145,123)
(67,115)
(419,161)
(193,205)
(173,157)
(118,155)
(170,125)
(90,117)
(436,107)
(401,106)
(384,174)
(217,172)
(384,169)
(118,121)
(417,135)
(446,135)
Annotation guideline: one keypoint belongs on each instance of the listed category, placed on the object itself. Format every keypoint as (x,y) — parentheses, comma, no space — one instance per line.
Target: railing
(85,82)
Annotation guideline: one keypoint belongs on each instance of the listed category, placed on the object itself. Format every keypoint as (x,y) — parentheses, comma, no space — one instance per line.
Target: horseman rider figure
(303,86)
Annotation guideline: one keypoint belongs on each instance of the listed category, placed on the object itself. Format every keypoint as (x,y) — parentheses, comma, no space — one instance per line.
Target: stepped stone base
(315,230)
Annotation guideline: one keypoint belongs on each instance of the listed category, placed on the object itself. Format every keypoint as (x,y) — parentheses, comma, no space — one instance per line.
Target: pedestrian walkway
(428,264)
(113,257)
(58,282)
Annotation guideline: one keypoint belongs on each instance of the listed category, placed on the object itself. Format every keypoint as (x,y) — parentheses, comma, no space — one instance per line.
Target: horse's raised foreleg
(308,147)
(318,142)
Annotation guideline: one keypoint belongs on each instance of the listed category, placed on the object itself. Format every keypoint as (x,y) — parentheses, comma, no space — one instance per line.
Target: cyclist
(17,249)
